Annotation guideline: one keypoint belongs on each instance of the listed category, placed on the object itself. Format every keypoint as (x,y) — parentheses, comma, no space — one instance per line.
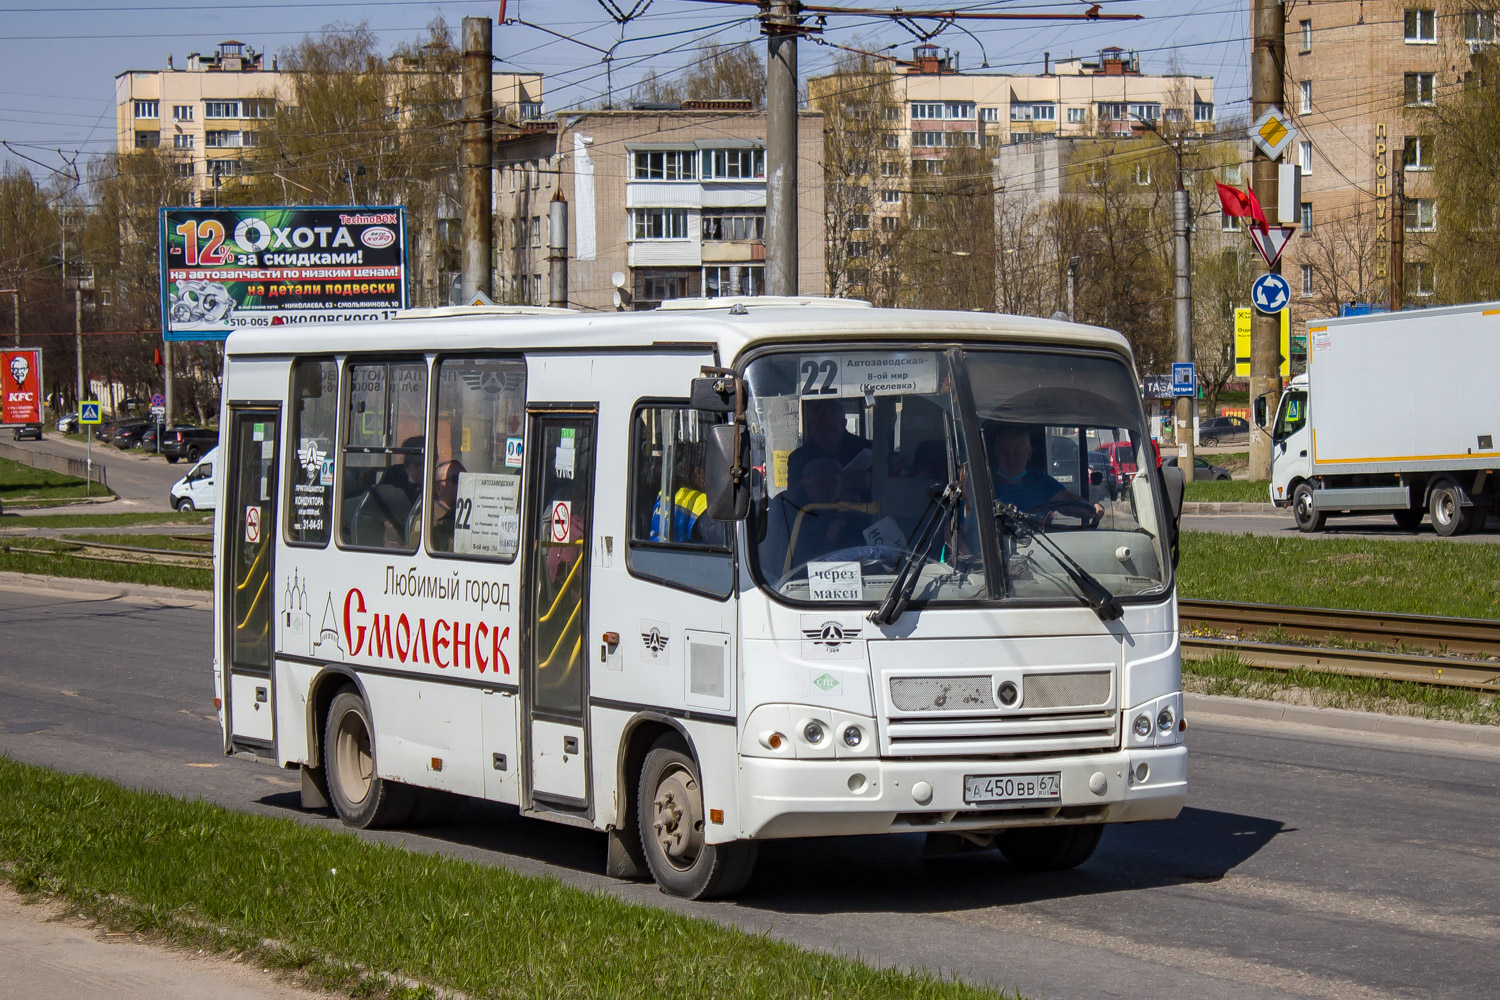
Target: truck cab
(1290,444)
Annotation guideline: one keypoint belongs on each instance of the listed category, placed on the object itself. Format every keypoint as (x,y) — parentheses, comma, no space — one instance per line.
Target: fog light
(1142,772)
(813,733)
(1165,721)
(856,783)
(1143,726)
(852,736)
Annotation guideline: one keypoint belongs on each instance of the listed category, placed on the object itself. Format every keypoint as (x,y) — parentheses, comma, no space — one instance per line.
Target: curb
(1347,720)
(65,586)
(1228,507)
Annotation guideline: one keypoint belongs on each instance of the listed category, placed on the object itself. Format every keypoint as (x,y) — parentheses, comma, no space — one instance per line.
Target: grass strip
(104,520)
(1362,574)
(1228,491)
(20,482)
(341,911)
(32,555)
(168,543)
(1225,673)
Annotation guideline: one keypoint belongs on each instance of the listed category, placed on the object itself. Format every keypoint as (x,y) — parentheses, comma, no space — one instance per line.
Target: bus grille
(1059,712)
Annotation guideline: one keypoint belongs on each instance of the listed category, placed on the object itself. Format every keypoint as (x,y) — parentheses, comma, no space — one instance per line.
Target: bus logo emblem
(654,641)
(831,635)
(826,683)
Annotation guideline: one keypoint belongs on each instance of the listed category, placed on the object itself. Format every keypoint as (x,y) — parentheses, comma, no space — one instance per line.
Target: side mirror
(1173,487)
(1260,410)
(715,394)
(728,496)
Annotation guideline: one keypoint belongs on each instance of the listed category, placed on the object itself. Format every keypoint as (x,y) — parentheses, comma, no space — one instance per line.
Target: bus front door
(554,677)
(250,511)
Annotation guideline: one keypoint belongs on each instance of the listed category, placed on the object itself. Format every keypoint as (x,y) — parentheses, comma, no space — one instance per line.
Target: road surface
(1382,526)
(1308,863)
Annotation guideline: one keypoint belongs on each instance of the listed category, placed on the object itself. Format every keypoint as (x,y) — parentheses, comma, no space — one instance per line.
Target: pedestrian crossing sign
(88,413)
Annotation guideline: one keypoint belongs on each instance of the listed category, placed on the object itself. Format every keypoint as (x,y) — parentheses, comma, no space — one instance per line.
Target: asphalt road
(1383,526)
(1308,863)
(141,480)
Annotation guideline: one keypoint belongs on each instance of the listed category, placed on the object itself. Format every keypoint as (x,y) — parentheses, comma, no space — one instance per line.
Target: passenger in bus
(810,519)
(825,436)
(407,477)
(689,522)
(445,498)
(1032,490)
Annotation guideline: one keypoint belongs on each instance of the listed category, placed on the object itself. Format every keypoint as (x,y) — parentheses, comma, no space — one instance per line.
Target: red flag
(1241,204)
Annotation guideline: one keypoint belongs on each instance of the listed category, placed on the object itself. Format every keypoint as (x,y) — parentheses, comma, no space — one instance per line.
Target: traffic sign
(479,299)
(1270,293)
(158,410)
(88,413)
(562,522)
(1184,380)
(1272,133)
(157,400)
(1271,242)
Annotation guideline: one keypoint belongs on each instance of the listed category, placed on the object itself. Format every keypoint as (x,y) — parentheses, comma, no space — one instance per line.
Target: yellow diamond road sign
(1272,133)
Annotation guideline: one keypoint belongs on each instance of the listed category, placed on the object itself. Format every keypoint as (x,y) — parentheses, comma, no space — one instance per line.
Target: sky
(58,58)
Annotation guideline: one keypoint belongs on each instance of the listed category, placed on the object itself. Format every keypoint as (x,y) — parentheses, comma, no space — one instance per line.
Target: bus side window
(672,538)
(314,411)
(477,451)
(384,454)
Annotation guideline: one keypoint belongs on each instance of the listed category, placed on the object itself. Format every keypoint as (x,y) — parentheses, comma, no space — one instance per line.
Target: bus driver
(1030,490)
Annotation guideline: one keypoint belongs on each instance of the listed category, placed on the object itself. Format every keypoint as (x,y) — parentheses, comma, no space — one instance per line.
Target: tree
(723,72)
(1465,126)
(946,255)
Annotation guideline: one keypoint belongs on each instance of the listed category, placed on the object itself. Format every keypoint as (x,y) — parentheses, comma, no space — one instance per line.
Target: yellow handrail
(561,635)
(251,571)
(563,590)
(265,579)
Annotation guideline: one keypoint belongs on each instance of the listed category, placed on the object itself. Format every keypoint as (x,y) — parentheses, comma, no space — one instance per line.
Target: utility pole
(15,305)
(1267,73)
(1187,406)
(166,382)
(78,338)
(478,153)
(780,26)
(557,249)
(1398,240)
(1072,282)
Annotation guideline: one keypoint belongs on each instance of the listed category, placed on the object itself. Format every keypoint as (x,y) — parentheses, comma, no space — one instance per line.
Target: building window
(1203,111)
(930,140)
(222,140)
(258,108)
(1421,25)
(1175,115)
(1307,280)
(659,223)
(1033,112)
(891,113)
(1229,223)
(892,141)
(1306,216)
(890,168)
(221,109)
(665,165)
(890,197)
(1304,94)
(1479,26)
(653,287)
(1231,173)
(859,220)
(1304,157)
(1419,278)
(222,168)
(1077,116)
(928,111)
(970,139)
(734,226)
(476,473)
(182,141)
(1420,88)
(147,140)
(930,167)
(1421,215)
(891,224)
(182,112)
(960,111)
(148,109)
(734,164)
(1113,112)
(989,114)
(1143,174)
(859,248)
(529,109)
(536,230)
(1417,154)
(1304,35)
(183,168)
(719,280)
(1147,112)
(384,454)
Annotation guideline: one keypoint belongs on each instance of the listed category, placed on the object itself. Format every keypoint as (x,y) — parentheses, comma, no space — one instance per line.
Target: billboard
(224,269)
(1242,342)
(21,385)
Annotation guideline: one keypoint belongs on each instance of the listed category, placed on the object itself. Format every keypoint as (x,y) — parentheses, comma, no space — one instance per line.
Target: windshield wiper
(1099,599)
(895,602)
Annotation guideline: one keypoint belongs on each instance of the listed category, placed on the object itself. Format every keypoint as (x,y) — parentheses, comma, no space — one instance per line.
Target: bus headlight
(1165,720)
(813,733)
(1143,726)
(853,737)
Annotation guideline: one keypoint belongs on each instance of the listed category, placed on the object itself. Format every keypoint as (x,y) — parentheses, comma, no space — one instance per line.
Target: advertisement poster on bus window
(224,269)
(21,377)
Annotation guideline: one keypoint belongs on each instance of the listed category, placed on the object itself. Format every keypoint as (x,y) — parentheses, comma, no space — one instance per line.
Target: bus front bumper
(820,798)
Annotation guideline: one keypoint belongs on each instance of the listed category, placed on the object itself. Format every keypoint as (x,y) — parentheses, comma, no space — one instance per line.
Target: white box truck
(1397,413)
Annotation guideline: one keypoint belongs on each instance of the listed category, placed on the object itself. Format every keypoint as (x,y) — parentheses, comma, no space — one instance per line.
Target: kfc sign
(21,386)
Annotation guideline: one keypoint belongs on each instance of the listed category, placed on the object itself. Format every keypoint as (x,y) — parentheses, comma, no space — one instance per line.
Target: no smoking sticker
(562,521)
(252,525)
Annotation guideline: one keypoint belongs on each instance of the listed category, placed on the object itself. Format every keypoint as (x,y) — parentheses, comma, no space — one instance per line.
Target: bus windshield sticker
(886,532)
(834,581)
(487,514)
(882,374)
(513,452)
(780,458)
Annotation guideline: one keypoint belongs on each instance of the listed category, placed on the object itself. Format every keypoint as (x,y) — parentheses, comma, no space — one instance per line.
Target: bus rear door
(250,502)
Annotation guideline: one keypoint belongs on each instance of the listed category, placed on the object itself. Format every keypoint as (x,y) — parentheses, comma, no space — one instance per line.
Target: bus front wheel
(669,807)
(359,796)
(1049,848)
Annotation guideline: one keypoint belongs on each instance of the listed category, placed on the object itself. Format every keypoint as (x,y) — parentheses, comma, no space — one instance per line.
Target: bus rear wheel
(359,796)
(669,808)
(1049,848)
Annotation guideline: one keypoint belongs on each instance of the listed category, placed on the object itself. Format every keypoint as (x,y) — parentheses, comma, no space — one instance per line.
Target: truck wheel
(1049,848)
(1306,513)
(669,807)
(1409,520)
(1449,515)
(359,796)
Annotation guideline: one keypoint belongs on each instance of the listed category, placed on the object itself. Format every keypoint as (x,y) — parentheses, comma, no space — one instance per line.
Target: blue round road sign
(1270,293)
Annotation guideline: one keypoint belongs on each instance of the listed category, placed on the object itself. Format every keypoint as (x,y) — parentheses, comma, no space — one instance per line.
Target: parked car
(128,435)
(147,440)
(1218,430)
(196,490)
(1204,469)
(33,431)
(188,442)
(68,423)
(106,432)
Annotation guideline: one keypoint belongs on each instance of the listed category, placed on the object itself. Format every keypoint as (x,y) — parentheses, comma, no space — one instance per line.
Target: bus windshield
(855,450)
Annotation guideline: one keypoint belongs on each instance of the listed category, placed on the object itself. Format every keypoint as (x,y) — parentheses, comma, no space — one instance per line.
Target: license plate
(1017,788)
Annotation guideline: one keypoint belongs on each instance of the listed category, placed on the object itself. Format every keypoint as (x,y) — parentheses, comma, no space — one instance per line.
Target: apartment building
(209,111)
(664,202)
(1358,80)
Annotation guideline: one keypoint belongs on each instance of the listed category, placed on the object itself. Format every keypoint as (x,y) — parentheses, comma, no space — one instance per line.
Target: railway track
(1448,652)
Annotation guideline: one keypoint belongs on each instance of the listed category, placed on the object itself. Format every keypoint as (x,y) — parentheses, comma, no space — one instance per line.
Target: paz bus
(731,570)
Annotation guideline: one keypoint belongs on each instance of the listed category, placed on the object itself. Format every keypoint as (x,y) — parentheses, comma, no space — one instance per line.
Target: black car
(1217,430)
(188,442)
(128,435)
(1204,469)
(33,431)
(107,432)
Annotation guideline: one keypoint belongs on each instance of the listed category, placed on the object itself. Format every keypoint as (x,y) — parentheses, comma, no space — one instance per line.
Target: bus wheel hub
(677,822)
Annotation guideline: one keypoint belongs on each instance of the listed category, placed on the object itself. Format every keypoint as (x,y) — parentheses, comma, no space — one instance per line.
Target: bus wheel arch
(359,795)
(671,818)
(627,858)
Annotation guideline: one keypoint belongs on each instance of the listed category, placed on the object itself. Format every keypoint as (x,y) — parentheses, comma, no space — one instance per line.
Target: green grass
(170,543)
(1415,577)
(339,913)
(1225,674)
(1223,490)
(32,555)
(104,520)
(20,482)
